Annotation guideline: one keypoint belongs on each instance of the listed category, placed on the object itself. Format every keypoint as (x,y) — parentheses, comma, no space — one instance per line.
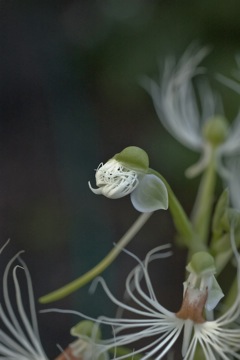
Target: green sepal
(201,263)
(134,158)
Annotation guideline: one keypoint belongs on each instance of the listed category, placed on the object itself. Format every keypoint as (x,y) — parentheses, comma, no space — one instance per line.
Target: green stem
(234,289)
(232,294)
(181,221)
(101,266)
(203,206)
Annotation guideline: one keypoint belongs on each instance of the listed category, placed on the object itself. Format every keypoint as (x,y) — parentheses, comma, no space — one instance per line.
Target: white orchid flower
(218,339)
(19,335)
(202,270)
(215,339)
(191,115)
(127,173)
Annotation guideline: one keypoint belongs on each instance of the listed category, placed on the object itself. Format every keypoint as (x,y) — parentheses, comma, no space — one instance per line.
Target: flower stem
(181,221)
(232,294)
(202,209)
(101,266)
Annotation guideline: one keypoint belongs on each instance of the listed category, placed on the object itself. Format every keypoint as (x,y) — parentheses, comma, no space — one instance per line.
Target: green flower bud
(215,130)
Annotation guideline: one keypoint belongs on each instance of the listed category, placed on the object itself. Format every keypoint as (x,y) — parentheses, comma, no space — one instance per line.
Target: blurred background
(71,98)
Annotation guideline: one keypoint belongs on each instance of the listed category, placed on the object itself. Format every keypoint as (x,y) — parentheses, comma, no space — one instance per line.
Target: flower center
(193,305)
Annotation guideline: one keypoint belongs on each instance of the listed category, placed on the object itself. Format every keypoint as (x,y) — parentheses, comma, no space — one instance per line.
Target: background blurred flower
(192,116)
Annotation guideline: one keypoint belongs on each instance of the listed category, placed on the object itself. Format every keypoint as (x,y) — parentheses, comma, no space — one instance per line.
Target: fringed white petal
(175,99)
(19,337)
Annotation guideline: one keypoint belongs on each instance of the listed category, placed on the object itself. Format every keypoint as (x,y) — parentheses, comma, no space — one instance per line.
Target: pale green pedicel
(214,131)
(100,267)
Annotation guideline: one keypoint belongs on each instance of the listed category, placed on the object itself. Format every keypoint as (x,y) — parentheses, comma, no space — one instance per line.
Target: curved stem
(101,266)
(181,221)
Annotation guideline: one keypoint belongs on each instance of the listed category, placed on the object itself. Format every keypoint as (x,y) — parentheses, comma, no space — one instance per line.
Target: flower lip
(114,180)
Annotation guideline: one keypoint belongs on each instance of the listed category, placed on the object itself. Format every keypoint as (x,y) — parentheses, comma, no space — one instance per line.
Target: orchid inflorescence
(207,322)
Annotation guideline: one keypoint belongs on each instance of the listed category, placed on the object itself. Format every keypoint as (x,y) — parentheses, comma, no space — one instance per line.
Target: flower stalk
(100,267)
(202,210)
(181,221)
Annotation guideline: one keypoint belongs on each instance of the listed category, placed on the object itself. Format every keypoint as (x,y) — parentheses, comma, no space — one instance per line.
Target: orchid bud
(215,130)
(127,173)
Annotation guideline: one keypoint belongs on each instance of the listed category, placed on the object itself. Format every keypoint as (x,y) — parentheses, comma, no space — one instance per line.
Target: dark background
(70,99)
